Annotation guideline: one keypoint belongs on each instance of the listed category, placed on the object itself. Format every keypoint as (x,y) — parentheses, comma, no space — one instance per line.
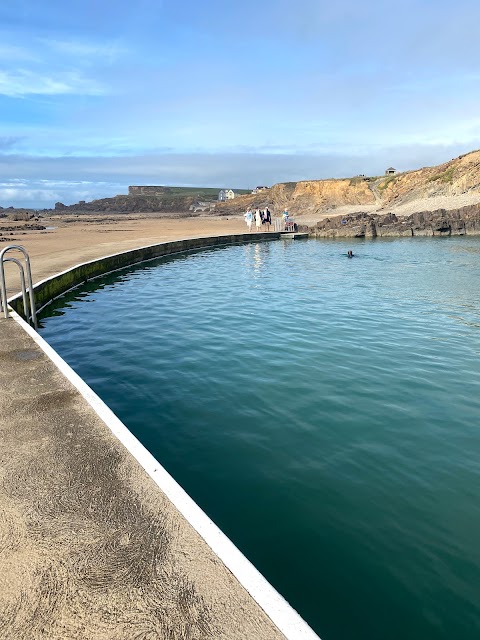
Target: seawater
(324,412)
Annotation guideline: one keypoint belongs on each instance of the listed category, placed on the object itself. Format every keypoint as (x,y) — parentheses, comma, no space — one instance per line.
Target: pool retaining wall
(47,290)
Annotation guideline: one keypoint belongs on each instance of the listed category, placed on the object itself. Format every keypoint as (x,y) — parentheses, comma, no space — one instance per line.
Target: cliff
(451,185)
(132,204)
(151,199)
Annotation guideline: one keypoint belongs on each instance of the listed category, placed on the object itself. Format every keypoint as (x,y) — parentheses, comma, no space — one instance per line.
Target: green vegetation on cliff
(206,193)
(445,176)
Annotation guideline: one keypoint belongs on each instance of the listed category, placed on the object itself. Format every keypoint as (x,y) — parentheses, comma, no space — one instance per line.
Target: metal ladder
(30,314)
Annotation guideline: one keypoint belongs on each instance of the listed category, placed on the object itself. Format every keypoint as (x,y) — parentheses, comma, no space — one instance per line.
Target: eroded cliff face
(320,195)
(300,198)
(451,185)
(453,178)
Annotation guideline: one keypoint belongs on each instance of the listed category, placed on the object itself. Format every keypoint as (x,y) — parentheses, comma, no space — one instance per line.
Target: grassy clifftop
(167,200)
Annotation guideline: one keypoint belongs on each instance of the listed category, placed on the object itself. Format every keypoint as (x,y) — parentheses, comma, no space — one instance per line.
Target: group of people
(263,217)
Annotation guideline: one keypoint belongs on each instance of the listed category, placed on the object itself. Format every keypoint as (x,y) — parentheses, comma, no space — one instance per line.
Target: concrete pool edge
(282,615)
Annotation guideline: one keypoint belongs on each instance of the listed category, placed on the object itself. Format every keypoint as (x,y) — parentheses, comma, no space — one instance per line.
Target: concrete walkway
(90,548)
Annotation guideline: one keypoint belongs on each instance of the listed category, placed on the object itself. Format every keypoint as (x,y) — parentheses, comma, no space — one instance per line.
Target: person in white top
(258,219)
(248,215)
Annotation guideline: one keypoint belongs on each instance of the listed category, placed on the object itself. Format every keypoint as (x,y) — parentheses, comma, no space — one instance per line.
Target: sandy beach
(75,240)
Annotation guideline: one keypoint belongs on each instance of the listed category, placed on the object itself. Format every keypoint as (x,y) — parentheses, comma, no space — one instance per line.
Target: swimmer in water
(350,253)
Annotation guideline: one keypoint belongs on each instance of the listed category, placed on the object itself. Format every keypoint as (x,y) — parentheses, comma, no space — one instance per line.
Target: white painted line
(284,617)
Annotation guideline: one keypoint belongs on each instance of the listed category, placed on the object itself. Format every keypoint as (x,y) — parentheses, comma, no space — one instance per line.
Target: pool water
(323,411)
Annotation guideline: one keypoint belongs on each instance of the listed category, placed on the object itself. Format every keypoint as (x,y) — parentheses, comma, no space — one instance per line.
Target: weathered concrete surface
(90,548)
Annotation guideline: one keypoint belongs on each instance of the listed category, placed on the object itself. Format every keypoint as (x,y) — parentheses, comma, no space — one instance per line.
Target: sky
(96,95)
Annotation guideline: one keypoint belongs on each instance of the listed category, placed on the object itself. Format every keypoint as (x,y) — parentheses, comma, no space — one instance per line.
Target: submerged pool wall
(47,290)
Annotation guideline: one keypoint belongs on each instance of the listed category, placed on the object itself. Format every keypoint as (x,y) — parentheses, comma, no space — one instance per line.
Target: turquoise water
(325,412)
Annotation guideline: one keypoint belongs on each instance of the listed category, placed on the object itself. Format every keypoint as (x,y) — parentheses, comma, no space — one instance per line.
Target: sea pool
(323,411)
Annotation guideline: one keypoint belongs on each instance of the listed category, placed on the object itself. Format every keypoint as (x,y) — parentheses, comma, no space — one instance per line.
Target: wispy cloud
(69,179)
(24,82)
(13,52)
(157,91)
(39,194)
(86,51)
(9,142)
(27,197)
(50,66)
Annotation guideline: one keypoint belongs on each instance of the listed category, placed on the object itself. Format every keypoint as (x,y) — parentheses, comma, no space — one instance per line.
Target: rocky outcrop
(131,204)
(459,222)
(23,227)
(150,199)
(17,214)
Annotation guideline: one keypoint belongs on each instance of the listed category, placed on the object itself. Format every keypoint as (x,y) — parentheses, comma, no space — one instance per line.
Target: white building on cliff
(226,194)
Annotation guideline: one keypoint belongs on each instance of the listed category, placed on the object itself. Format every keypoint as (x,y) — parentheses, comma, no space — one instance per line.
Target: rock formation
(459,222)
(132,204)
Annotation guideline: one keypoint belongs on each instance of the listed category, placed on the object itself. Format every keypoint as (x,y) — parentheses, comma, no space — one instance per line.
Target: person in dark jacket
(267,218)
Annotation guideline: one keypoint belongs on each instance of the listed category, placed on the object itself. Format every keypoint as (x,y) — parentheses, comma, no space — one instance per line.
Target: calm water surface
(323,411)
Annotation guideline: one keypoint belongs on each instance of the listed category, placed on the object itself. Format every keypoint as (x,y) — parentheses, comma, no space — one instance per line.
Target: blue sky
(96,95)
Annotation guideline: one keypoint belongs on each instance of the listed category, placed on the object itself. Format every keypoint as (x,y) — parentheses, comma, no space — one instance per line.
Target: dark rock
(464,221)
(20,214)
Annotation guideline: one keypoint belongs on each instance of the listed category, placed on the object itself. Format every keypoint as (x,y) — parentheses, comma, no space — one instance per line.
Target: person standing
(248,215)
(258,219)
(267,218)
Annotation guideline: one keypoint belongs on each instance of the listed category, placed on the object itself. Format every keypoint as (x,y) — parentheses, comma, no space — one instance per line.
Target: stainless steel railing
(280,224)
(30,313)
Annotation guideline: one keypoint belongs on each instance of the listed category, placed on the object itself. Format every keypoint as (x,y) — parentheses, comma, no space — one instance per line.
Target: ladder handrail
(22,280)
(3,286)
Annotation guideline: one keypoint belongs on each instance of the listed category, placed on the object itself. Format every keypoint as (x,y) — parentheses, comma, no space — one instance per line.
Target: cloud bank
(216,94)
(69,179)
